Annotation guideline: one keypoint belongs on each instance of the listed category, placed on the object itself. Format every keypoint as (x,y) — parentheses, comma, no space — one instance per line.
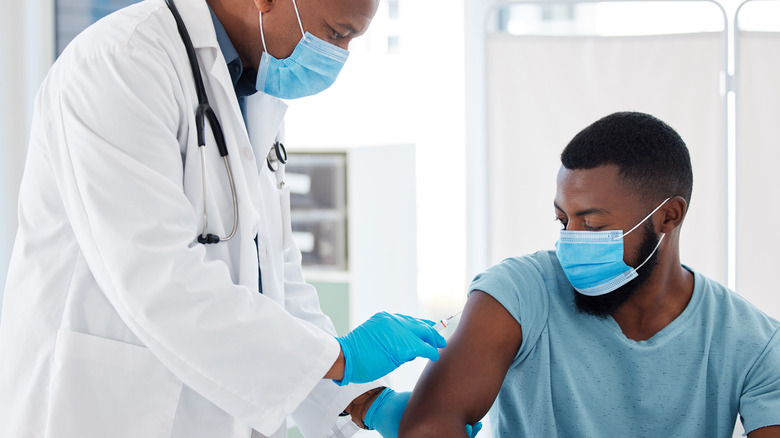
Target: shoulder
(522,285)
(719,299)
(733,320)
(143,32)
(131,56)
(145,24)
(531,268)
(526,272)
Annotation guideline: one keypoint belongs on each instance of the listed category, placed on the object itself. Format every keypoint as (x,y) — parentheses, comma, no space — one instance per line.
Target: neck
(659,301)
(240,20)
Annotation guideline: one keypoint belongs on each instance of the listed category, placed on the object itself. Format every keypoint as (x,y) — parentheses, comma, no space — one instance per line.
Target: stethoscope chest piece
(277,154)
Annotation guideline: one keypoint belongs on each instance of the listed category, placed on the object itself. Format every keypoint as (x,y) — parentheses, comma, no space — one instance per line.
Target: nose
(575,225)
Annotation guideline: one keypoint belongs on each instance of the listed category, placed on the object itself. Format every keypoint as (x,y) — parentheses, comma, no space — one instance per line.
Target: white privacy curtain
(758,157)
(542,90)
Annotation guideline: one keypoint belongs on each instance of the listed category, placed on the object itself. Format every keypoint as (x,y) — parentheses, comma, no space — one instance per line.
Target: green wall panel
(334,300)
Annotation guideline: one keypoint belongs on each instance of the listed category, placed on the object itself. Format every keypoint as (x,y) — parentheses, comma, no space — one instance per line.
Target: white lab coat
(116,322)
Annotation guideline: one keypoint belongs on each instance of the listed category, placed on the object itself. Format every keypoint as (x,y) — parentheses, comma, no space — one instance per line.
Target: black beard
(604,305)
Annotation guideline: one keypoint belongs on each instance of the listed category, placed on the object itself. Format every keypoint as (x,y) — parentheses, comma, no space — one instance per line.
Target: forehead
(353,11)
(600,187)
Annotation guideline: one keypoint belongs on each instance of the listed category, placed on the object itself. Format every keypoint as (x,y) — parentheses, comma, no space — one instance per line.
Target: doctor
(117,320)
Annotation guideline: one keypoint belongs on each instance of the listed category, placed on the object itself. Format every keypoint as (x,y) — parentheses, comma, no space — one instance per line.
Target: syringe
(444,323)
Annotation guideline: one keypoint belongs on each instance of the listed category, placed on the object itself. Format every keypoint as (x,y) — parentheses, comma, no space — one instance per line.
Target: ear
(674,213)
(264,6)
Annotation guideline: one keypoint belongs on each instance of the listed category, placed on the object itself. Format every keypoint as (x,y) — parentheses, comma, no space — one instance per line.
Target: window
(392,6)
(609,18)
(73,16)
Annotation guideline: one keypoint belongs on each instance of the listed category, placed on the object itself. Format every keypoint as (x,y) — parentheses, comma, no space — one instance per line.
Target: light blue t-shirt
(576,375)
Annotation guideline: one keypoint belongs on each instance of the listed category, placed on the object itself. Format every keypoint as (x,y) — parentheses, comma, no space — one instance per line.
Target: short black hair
(651,156)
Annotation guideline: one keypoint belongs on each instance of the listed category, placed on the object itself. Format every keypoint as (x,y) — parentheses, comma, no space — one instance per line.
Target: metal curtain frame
(476,134)
(735,51)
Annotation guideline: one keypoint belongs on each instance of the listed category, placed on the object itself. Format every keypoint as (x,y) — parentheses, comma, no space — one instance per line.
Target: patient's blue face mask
(593,260)
(312,67)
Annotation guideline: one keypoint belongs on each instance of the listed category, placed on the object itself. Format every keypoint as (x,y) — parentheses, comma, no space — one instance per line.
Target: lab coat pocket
(105,388)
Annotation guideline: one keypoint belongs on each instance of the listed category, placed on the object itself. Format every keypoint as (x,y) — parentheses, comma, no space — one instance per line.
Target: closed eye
(334,34)
(592,228)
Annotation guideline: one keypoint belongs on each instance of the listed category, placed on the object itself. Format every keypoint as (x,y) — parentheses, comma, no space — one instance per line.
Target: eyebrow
(348,27)
(584,212)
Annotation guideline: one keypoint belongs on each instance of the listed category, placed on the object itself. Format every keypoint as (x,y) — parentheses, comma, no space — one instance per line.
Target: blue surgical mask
(312,67)
(593,260)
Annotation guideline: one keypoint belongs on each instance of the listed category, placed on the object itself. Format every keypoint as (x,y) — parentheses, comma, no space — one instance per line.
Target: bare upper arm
(461,386)
(766,432)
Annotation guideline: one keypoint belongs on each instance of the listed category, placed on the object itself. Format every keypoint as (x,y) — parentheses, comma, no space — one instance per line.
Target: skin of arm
(766,432)
(460,387)
(336,371)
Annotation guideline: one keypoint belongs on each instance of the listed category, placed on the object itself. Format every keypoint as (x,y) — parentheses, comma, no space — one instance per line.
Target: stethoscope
(277,154)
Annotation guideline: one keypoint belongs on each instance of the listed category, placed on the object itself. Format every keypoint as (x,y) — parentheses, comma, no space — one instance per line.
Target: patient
(609,335)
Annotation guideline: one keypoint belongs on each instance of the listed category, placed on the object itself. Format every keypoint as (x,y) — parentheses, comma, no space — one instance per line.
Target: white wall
(26,50)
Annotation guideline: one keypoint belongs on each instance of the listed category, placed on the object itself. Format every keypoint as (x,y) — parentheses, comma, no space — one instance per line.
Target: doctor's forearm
(336,372)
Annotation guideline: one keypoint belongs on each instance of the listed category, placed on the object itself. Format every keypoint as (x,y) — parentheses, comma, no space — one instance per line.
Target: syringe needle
(443,323)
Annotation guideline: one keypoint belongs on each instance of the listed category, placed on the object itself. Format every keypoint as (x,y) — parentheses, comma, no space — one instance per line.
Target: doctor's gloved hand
(472,431)
(385,413)
(383,343)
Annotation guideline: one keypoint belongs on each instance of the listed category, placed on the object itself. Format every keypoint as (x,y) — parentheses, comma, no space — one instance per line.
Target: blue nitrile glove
(383,343)
(385,412)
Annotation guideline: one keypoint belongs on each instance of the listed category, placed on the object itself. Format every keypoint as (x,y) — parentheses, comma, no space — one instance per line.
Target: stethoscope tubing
(202,113)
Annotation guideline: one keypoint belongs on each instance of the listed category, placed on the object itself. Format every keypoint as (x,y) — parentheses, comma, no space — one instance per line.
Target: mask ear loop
(262,37)
(651,254)
(659,240)
(643,221)
(298,15)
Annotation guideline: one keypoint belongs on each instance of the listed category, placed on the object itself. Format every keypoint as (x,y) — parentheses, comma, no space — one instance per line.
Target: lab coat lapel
(221,75)
(199,24)
(242,160)
(222,98)
(264,122)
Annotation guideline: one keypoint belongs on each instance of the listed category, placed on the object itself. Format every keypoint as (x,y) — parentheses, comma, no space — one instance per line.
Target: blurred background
(434,155)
